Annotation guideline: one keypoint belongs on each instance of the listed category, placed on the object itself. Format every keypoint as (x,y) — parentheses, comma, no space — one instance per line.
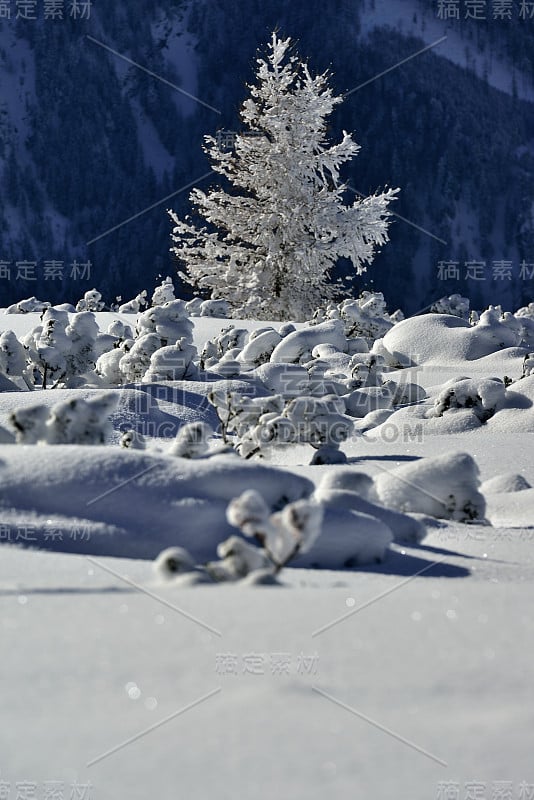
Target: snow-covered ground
(409,678)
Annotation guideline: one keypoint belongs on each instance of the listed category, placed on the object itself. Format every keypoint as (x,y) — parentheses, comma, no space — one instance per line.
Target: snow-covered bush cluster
(455,305)
(275,388)
(366,317)
(30,305)
(306,387)
(259,424)
(280,536)
(161,349)
(350,519)
(484,397)
(91,301)
(73,421)
(62,350)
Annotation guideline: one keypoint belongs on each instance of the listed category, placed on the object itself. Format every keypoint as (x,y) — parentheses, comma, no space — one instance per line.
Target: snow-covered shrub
(163,293)
(287,380)
(65,351)
(120,330)
(455,304)
(132,440)
(48,345)
(362,401)
(528,365)
(31,305)
(193,307)
(349,539)
(173,561)
(91,301)
(445,487)
(79,421)
(230,338)
(136,360)
(347,480)
(397,316)
(505,484)
(328,454)
(484,397)
(367,316)
(259,347)
(404,393)
(74,421)
(228,366)
(527,332)
(425,338)
(329,371)
(135,305)
(525,317)
(319,422)
(238,413)
(192,441)
(525,311)
(29,423)
(374,394)
(286,328)
(498,328)
(215,308)
(108,365)
(172,363)
(237,560)
(12,356)
(366,369)
(256,425)
(280,536)
(82,333)
(169,321)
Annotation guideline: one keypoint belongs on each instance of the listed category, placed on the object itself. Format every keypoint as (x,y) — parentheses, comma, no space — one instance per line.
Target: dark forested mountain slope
(89,141)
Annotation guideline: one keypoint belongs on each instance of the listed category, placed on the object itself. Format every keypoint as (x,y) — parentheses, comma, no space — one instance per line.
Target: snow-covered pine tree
(272,240)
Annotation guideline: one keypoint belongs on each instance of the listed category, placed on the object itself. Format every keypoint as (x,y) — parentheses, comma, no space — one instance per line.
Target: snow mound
(485,397)
(433,337)
(426,338)
(511,510)
(508,482)
(297,347)
(347,480)
(152,501)
(348,539)
(405,529)
(444,487)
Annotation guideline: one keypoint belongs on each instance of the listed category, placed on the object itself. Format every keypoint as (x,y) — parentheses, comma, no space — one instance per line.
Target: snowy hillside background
(88,141)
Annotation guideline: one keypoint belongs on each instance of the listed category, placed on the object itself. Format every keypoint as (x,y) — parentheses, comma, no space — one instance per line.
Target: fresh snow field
(407,677)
